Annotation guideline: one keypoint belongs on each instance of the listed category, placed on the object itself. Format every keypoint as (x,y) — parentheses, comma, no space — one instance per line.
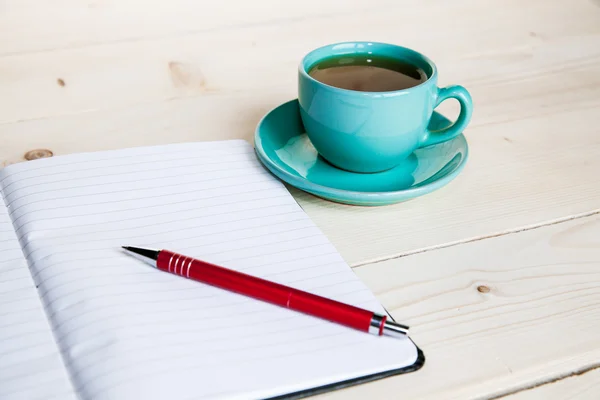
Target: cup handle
(466,109)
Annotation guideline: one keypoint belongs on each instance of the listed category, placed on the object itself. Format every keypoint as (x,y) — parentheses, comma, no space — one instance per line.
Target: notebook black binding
(420,361)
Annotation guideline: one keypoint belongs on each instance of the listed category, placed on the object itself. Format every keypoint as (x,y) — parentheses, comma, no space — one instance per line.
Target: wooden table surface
(498,273)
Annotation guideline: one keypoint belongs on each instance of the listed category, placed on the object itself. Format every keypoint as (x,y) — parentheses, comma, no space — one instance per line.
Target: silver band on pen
(380,325)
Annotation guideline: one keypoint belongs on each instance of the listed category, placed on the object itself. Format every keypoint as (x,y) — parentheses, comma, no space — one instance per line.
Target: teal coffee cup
(375,128)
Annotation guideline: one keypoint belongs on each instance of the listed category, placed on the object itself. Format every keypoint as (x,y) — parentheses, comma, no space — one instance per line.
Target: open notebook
(80,319)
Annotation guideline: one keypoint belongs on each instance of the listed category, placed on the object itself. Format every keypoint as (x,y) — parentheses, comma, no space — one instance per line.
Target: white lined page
(30,363)
(129,331)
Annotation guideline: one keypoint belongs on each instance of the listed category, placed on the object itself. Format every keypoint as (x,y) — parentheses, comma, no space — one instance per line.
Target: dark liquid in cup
(367,73)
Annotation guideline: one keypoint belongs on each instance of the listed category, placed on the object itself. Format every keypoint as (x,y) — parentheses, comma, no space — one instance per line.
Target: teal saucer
(282,145)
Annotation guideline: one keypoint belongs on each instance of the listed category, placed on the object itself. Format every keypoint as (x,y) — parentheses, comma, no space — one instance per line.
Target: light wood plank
(534,76)
(34,25)
(538,321)
(483,46)
(84,76)
(520,173)
(577,387)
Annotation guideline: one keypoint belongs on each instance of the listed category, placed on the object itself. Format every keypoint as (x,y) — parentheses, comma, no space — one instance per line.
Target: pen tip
(148,253)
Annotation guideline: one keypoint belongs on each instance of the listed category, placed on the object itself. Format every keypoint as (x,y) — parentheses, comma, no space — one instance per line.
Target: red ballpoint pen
(261,289)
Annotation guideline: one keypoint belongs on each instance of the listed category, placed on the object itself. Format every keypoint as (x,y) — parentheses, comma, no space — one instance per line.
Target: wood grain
(534,77)
(64,24)
(538,176)
(577,387)
(483,46)
(494,316)
(544,172)
(538,321)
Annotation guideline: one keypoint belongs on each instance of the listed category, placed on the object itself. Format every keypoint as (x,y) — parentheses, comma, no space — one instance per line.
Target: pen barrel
(267,291)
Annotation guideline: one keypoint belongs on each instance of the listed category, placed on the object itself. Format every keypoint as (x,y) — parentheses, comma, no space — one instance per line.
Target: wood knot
(483,289)
(38,153)
(186,76)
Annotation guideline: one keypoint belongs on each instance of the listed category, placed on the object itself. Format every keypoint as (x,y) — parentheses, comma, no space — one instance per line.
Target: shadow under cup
(373,131)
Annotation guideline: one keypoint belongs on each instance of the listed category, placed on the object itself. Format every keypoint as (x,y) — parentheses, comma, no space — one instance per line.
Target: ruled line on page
(193,369)
(168,234)
(149,271)
(146,192)
(185,353)
(263,308)
(333,344)
(167,210)
(332,349)
(158,292)
(9,372)
(277,242)
(157,278)
(11,260)
(88,250)
(26,342)
(71,160)
(50,302)
(249,264)
(103,205)
(164,163)
(137,228)
(103,304)
(185,309)
(45,193)
(47,188)
(20,387)
(170,224)
(89,259)
(220,335)
(33,332)
(115,243)
(154,197)
(22,304)
(188,320)
(154,291)
(169,180)
(197,301)
(194,289)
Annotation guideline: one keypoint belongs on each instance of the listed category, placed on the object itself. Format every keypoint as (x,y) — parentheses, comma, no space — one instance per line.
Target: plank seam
(547,381)
(476,239)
